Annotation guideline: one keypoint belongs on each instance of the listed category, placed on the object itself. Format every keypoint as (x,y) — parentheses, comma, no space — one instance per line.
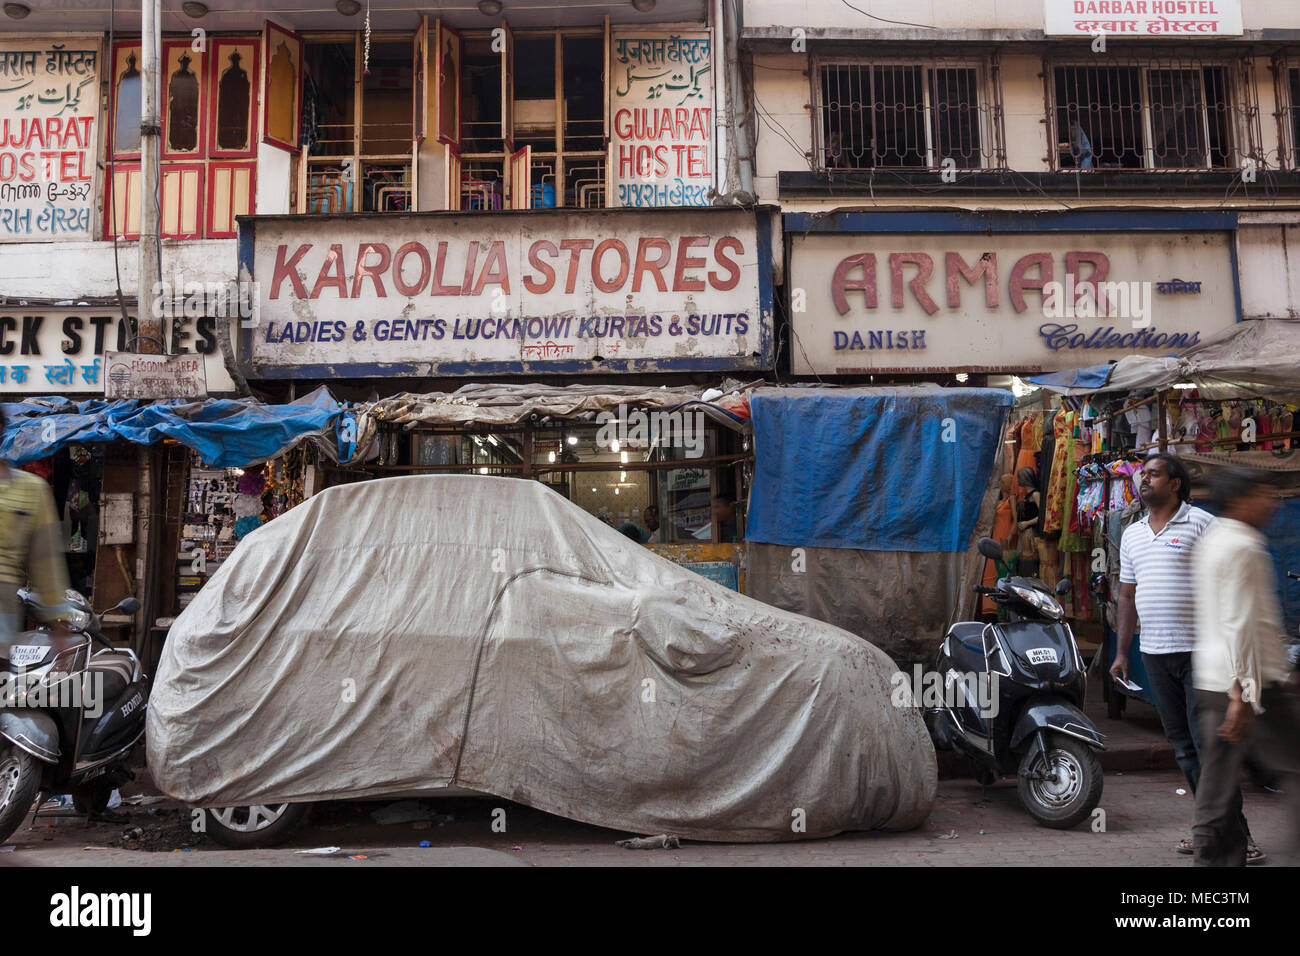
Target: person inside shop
(650,518)
(31,551)
(1027,513)
(1246,690)
(1158,588)
(724,512)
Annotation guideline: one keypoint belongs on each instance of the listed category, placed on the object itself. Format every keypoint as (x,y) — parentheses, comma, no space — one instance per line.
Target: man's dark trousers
(1273,739)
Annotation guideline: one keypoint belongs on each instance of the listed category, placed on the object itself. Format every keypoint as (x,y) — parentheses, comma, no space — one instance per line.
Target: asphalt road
(1145,817)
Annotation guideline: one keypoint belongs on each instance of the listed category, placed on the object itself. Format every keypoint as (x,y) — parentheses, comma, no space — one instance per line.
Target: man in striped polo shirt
(1158,588)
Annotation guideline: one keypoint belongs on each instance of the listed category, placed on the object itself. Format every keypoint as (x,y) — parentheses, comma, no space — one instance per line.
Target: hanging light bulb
(551,457)
(622,457)
(614,446)
(622,476)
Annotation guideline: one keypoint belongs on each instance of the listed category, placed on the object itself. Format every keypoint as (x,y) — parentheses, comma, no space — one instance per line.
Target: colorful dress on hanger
(1062,429)
(1071,537)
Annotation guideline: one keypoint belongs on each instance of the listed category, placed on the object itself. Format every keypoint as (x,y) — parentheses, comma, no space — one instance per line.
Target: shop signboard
(1003,302)
(49,135)
(1162,19)
(661,119)
(512,292)
(149,377)
(57,350)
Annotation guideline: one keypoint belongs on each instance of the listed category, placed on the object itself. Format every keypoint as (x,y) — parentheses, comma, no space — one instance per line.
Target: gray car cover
(410,634)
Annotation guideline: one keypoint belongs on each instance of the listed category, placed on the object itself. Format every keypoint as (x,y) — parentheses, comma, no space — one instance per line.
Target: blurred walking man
(1247,693)
(1157,587)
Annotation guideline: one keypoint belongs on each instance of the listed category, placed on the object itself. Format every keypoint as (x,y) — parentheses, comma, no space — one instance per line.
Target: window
(357,128)
(903,116)
(1158,115)
(532,137)
(208,145)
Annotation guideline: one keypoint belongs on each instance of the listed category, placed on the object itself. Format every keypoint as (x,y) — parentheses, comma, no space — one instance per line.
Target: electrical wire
(901,23)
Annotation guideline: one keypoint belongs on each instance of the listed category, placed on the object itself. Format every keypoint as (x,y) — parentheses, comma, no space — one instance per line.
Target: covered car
(408,635)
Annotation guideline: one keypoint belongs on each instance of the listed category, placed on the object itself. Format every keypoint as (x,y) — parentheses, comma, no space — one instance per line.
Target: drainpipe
(737,110)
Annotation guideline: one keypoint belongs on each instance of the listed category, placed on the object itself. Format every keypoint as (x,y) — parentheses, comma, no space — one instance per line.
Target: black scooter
(69,717)
(1012,701)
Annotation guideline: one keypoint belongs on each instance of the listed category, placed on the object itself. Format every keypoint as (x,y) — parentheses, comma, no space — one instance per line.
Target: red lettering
(685,261)
(331,274)
(1100,269)
(925,266)
(534,259)
(288,269)
(842,284)
(494,270)
(987,266)
(732,267)
(575,248)
(1019,282)
(374,272)
(399,282)
(616,283)
(436,287)
(655,268)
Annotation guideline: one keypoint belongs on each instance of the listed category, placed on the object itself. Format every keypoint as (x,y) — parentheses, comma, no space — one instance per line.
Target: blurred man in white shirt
(1247,693)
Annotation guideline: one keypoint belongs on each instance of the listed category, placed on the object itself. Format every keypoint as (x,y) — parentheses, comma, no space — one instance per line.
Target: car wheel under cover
(257,825)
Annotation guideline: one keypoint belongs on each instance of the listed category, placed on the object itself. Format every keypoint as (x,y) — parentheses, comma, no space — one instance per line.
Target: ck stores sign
(1027,302)
(49,350)
(534,291)
(1163,19)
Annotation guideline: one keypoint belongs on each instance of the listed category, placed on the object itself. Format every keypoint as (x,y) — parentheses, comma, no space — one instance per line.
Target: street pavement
(1145,816)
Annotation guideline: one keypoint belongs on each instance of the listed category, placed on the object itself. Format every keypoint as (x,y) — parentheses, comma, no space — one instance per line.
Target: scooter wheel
(1070,787)
(20,777)
(248,827)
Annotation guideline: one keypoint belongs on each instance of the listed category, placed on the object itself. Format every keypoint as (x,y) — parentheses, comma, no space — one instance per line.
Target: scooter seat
(116,670)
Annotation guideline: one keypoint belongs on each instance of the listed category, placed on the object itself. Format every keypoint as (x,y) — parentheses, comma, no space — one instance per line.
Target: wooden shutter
(232,191)
(451,167)
(447,61)
(228,58)
(281,86)
(521,182)
(508,88)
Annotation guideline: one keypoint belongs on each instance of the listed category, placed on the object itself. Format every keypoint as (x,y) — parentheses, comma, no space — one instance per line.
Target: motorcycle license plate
(24,655)
(1042,655)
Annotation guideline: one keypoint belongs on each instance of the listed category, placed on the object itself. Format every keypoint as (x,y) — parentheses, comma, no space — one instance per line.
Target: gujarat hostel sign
(463,294)
(49,111)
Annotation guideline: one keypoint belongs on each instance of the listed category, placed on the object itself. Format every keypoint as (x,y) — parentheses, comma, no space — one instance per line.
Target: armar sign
(1004,302)
(534,291)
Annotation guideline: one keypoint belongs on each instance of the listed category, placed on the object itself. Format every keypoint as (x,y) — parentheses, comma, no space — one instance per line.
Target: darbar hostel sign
(1162,19)
(1010,302)
(438,294)
(52,350)
(49,129)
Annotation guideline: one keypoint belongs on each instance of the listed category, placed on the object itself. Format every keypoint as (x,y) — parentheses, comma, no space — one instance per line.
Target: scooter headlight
(1044,602)
(77,619)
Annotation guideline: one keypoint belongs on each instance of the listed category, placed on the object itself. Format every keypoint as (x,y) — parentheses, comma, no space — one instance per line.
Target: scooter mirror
(1063,586)
(990,549)
(129,606)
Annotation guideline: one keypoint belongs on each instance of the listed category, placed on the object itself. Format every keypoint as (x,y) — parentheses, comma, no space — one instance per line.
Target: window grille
(907,115)
(1162,113)
(1286,73)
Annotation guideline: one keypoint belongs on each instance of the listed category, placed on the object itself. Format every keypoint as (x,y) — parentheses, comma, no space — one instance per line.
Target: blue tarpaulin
(1091,376)
(225,432)
(877,469)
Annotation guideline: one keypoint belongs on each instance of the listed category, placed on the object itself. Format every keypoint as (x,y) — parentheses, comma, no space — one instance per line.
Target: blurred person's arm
(1240,627)
(1126,611)
(47,570)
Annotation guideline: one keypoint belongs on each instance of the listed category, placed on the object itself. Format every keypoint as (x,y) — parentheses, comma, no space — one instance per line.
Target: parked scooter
(70,715)
(1014,699)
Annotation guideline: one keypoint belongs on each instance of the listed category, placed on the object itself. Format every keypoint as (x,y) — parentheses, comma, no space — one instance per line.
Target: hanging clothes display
(1062,430)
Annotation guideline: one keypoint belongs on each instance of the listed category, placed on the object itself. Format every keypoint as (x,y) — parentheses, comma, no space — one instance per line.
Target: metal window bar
(1286,96)
(906,115)
(1158,113)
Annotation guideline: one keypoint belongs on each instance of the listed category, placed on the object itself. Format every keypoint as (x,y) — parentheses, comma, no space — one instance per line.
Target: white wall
(273,172)
(75,270)
(1268,256)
